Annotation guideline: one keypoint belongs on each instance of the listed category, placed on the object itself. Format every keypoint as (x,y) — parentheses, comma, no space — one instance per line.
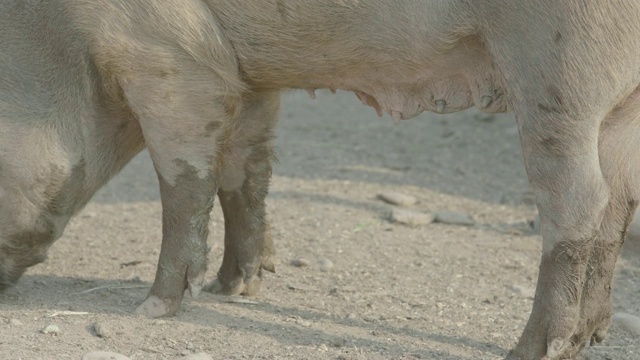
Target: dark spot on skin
(555,104)
(211,128)
(230,108)
(122,127)
(282,10)
(552,144)
(168,97)
(549,109)
(558,37)
(165,73)
(555,94)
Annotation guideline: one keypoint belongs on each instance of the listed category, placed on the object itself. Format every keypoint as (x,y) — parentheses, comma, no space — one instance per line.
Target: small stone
(395,198)
(326,265)
(159,322)
(525,292)
(236,299)
(411,217)
(627,322)
(51,329)
(100,330)
(198,356)
(300,262)
(104,355)
(339,342)
(15,322)
(351,316)
(454,218)
(185,352)
(535,224)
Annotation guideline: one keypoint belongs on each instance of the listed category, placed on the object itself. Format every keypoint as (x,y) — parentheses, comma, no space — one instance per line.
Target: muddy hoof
(155,307)
(236,287)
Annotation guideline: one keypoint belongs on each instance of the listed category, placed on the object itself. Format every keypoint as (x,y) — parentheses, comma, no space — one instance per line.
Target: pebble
(300,262)
(627,322)
(51,329)
(100,330)
(395,198)
(339,342)
(198,356)
(411,217)
(535,224)
(326,265)
(104,355)
(15,322)
(454,218)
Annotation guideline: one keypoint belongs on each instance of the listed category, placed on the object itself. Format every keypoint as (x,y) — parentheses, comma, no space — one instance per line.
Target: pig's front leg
(182,116)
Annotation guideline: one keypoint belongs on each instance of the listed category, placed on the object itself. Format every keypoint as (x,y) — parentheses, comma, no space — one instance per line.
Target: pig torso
(401,57)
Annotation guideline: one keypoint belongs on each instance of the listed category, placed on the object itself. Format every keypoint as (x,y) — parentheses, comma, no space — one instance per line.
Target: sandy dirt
(372,289)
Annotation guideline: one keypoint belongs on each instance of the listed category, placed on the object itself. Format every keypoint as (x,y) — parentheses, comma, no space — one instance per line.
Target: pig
(85,85)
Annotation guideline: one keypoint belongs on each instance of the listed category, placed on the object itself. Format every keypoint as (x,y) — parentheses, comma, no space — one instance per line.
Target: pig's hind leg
(619,151)
(247,156)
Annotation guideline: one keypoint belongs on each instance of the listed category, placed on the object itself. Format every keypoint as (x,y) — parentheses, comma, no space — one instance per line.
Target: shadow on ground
(34,292)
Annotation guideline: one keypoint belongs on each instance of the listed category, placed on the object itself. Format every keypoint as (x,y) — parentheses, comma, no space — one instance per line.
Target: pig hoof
(599,335)
(155,307)
(396,116)
(194,283)
(253,287)
(591,327)
(235,288)
(214,287)
(312,93)
(556,348)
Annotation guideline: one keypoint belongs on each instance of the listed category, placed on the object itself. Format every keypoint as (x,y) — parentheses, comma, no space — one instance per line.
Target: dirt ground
(372,289)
